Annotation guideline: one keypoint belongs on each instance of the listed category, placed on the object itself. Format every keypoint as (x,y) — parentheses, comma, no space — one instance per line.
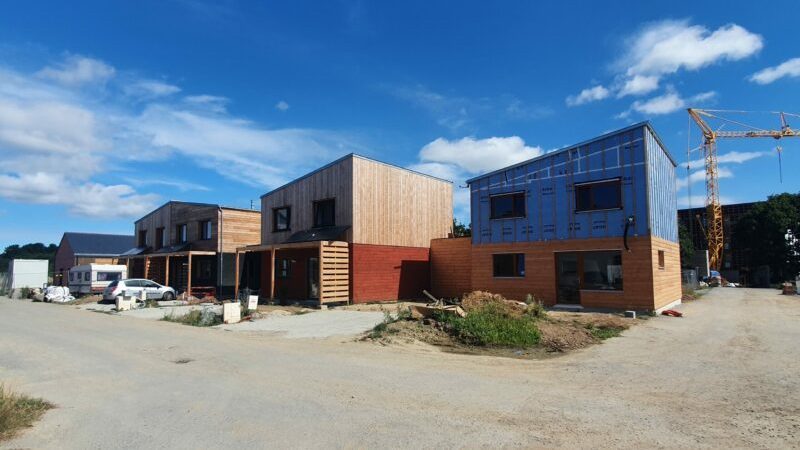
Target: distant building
(734,267)
(87,248)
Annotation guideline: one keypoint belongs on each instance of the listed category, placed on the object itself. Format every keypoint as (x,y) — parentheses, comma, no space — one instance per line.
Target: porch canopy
(166,253)
(334,267)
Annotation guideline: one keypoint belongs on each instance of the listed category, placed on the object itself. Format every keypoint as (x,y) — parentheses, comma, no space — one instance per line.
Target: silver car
(134,286)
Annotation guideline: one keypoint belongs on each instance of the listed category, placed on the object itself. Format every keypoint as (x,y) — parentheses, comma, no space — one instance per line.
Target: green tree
(28,251)
(461,230)
(766,235)
(687,245)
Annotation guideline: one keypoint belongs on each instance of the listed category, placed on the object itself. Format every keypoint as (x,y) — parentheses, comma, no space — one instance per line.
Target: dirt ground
(725,375)
(561,332)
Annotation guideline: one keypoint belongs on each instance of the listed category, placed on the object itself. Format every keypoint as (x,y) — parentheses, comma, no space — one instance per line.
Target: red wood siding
(382,272)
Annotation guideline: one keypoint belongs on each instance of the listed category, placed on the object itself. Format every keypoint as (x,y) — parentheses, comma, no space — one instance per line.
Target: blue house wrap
(635,155)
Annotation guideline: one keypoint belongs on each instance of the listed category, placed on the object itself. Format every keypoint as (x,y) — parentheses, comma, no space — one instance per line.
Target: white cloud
(700,175)
(789,68)
(638,85)
(76,70)
(588,95)
(150,89)
(89,199)
(281,106)
(669,102)
(213,103)
(733,157)
(666,47)
(458,160)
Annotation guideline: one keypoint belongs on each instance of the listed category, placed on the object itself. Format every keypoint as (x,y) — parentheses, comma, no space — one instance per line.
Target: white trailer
(93,278)
(27,273)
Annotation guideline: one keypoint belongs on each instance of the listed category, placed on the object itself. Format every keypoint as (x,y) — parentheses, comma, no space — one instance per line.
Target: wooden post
(236,277)
(166,272)
(272,275)
(320,283)
(146,267)
(127,267)
(189,277)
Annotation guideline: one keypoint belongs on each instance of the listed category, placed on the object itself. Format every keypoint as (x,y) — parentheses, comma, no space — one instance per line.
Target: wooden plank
(236,278)
(189,276)
(166,272)
(320,284)
(272,275)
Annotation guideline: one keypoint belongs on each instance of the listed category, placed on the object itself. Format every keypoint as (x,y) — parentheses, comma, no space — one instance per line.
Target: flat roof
(645,123)
(353,155)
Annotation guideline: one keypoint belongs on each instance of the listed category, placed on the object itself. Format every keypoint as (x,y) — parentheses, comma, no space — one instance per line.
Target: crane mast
(714,230)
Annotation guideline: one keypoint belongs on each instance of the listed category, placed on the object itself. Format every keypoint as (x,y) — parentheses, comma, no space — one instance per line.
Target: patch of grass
(196,318)
(380,330)
(492,325)
(25,292)
(151,303)
(18,412)
(604,332)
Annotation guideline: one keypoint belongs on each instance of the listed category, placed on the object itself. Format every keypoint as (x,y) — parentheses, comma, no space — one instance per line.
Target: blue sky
(108,109)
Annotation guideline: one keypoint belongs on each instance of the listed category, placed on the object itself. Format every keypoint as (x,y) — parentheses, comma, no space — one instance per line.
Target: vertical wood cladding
(451,267)
(382,272)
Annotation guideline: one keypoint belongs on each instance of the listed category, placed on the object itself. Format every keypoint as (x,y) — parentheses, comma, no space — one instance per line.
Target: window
(161,238)
(505,206)
(601,270)
(133,283)
(71,276)
(205,230)
(509,265)
(181,233)
(598,195)
(281,218)
(87,276)
(108,276)
(661,263)
(149,284)
(324,213)
(283,268)
(142,238)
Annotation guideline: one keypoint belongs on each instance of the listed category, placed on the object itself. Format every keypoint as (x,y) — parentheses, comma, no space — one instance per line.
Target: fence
(689,279)
(4,283)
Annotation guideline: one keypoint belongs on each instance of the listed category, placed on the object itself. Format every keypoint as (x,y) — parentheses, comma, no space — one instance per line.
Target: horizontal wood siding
(394,206)
(540,272)
(334,272)
(334,181)
(239,228)
(666,281)
(451,267)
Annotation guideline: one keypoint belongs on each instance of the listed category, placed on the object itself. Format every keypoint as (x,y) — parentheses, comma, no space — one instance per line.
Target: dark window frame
(515,214)
(179,234)
(142,238)
(581,255)
(288,227)
(203,225)
(314,213)
(578,187)
(283,268)
(662,263)
(518,265)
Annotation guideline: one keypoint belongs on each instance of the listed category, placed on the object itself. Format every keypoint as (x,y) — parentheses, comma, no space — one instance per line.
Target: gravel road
(726,375)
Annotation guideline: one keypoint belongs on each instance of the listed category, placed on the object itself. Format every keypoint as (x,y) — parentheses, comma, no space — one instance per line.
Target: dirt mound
(556,337)
(480,299)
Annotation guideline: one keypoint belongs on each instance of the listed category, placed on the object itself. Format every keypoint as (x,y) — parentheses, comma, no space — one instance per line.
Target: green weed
(18,412)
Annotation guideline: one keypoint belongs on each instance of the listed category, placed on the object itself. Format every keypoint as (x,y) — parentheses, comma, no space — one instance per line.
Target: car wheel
(168,296)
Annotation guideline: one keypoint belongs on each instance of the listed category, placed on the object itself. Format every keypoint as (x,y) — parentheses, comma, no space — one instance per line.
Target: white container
(27,273)
(231,312)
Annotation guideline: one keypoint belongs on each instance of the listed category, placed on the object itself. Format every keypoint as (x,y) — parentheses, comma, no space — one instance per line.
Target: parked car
(152,289)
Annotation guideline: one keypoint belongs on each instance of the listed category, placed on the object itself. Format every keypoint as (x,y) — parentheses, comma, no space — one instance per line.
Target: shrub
(18,412)
(196,318)
(492,324)
(25,292)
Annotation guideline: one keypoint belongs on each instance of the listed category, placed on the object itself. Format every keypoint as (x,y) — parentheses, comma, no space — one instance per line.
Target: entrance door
(313,277)
(567,278)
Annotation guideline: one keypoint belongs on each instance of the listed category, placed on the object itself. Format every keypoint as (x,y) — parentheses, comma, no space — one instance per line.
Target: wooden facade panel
(239,228)
(394,206)
(331,182)
(666,280)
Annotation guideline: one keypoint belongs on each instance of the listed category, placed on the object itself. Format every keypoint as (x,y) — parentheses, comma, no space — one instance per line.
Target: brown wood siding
(666,281)
(451,267)
(394,206)
(331,182)
(540,273)
(173,214)
(239,228)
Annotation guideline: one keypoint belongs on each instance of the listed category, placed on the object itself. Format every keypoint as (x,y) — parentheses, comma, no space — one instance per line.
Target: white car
(135,285)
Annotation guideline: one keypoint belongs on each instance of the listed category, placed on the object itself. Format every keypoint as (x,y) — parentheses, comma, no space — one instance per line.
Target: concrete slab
(320,324)
(160,313)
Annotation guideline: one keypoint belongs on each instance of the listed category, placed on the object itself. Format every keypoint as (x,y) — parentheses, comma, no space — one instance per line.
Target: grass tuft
(491,324)
(604,332)
(19,411)
(196,318)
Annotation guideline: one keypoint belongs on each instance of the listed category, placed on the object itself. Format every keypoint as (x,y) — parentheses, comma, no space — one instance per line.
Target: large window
(508,265)
(108,276)
(205,230)
(281,218)
(161,238)
(324,213)
(180,231)
(506,206)
(601,270)
(142,238)
(598,195)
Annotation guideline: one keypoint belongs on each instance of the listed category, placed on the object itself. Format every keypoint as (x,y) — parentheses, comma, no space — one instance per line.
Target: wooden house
(88,248)
(192,246)
(354,230)
(591,225)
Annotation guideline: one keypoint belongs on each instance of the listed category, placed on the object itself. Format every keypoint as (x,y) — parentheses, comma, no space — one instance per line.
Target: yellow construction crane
(713,229)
